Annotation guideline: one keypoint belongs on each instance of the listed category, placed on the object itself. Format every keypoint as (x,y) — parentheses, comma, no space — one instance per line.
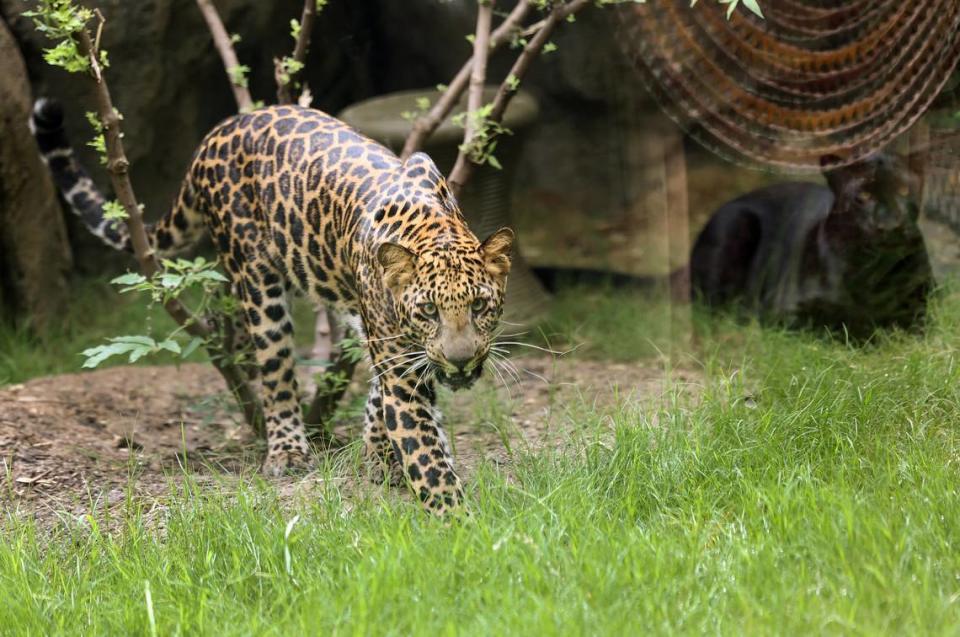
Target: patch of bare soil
(72,443)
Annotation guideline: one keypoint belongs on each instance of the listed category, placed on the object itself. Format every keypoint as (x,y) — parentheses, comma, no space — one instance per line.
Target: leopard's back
(294,183)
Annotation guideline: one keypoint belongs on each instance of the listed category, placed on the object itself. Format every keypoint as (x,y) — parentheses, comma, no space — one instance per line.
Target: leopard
(298,202)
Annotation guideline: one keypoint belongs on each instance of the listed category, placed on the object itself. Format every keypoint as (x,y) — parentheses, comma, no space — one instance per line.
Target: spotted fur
(296,200)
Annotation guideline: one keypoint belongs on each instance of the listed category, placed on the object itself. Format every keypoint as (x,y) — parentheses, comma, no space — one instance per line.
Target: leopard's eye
(430,309)
(479,304)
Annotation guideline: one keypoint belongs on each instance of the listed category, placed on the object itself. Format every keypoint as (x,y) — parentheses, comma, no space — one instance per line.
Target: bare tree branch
(284,94)
(464,166)
(425,125)
(224,45)
(118,168)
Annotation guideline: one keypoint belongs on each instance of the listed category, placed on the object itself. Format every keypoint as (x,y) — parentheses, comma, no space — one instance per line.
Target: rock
(34,254)
(171,88)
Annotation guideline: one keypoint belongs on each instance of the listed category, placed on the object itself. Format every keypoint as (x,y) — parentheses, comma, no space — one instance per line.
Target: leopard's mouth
(459,380)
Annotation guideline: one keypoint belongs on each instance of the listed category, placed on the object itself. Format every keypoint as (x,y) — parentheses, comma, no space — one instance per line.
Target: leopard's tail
(177,230)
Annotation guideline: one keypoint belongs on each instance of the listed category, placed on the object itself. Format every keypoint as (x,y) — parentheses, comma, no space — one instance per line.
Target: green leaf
(191,347)
(96,355)
(171,280)
(66,56)
(94,120)
(114,211)
(136,353)
(136,346)
(212,275)
(170,345)
(136,339)
(238,75)
(754,6)
(130,278)
(99,144)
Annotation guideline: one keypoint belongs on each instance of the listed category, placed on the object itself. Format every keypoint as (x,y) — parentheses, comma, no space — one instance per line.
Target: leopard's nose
(461,364)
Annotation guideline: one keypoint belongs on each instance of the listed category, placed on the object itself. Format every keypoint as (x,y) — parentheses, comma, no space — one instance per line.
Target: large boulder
(34,254)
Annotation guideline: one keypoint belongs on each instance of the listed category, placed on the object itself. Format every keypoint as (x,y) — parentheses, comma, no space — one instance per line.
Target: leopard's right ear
(399,266)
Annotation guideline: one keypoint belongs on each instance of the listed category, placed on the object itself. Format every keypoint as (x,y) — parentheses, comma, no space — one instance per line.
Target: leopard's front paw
(280,463)
(443,501)
(382,469)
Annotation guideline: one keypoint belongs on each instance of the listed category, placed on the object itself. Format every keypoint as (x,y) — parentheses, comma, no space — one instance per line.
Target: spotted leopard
(295,200)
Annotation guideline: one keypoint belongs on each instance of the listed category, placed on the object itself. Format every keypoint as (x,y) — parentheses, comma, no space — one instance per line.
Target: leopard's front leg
(419,444)
(378,450)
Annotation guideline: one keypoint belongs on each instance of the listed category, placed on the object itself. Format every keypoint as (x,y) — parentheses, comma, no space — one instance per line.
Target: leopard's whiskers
(503,381)
(537,347)
(423,374)
(384,338)
(401,354)
(511,335)
(501,354)
(507,366)
(400,364)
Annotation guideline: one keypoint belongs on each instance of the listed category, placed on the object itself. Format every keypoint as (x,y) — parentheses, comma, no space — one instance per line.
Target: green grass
(827,503)
(95,313)
(612,324)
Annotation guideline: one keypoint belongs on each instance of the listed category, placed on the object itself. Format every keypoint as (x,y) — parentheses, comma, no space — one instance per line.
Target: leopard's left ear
(399,266)
(496,252)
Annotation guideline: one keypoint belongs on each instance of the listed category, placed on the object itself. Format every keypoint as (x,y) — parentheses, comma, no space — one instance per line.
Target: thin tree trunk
(284,89)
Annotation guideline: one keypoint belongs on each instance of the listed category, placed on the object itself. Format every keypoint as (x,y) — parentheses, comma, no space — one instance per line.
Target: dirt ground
(75,443)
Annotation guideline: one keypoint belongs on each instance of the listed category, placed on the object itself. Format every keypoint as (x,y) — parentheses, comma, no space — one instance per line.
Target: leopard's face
(449,301)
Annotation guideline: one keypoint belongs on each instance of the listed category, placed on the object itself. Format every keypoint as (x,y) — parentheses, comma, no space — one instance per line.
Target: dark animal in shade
(847,256)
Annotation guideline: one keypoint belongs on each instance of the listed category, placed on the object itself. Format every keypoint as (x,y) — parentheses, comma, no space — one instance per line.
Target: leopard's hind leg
(264,301)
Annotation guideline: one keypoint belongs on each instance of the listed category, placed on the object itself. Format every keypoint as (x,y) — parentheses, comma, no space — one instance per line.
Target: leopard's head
(447,287)
(449,298)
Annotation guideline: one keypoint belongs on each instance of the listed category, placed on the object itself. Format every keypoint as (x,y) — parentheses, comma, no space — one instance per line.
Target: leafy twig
(424,126)
(118,168)
(478,74)
(463,168)
(224,44)
(287,69)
